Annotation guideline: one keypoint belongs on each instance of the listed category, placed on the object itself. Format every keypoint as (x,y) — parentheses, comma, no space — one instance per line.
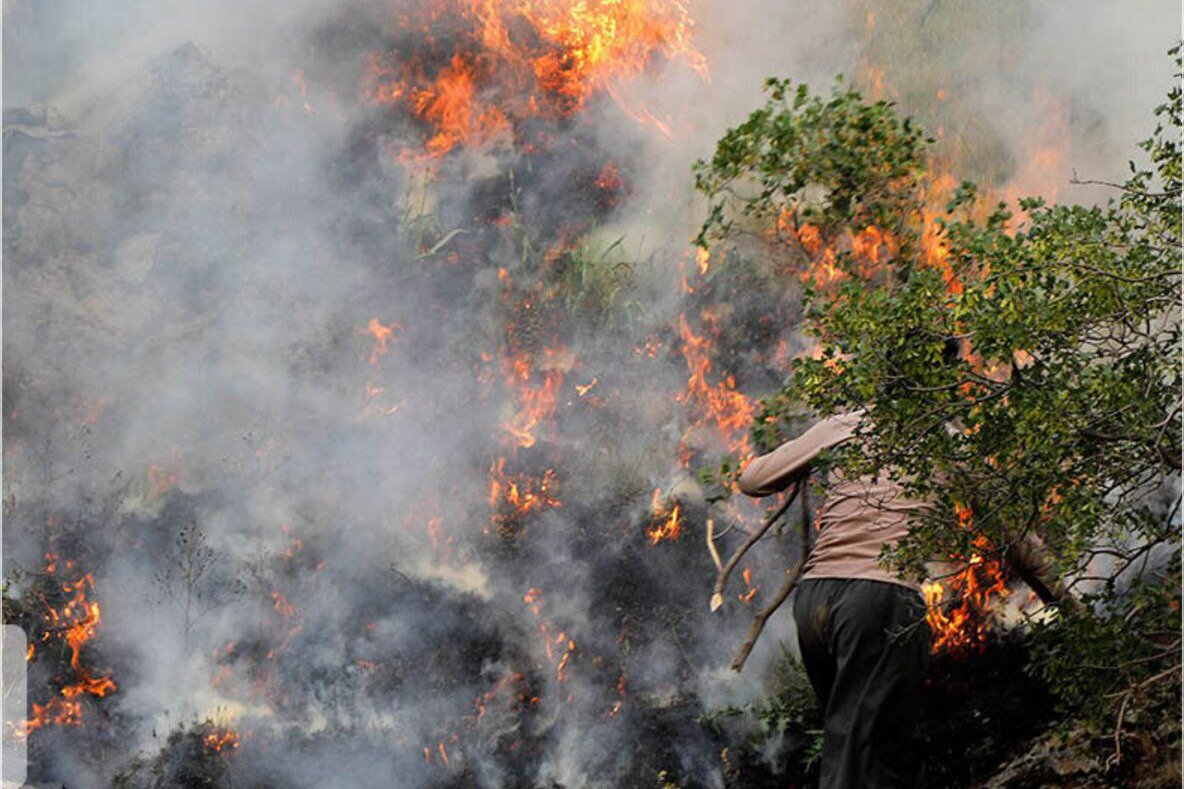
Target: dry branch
(717,593)
(711,546)
(795,574)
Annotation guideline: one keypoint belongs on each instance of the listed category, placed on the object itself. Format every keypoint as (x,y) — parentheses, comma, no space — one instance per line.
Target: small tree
(1059,416)
(187,576)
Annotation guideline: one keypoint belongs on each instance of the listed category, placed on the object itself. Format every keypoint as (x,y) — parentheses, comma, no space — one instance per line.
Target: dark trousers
(865,646)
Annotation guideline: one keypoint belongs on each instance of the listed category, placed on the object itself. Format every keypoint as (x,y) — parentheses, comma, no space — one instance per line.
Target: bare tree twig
(1127,695)
(1118,730)
(1075,181)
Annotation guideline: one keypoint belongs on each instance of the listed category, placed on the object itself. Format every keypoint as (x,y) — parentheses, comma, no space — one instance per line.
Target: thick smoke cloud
(287,523)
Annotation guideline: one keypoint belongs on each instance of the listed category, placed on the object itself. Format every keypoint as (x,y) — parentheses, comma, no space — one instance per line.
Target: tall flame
(536,393)
(75,623)
(968,624)
(720,405)
(514,60)
(666,521)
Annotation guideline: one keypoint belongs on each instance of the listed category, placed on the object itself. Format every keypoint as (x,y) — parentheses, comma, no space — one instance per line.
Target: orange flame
(959,608)
(282,606)
(220,740)
(650,348)
(934,249)
(1044,170)
(536,398)
(703,259)
(91,410)
(161,480)
(513,496)
(383,337)
(968,625)
(746,597)
(667,519)
(494,79)
(559,648)
(720,405)
(76,623)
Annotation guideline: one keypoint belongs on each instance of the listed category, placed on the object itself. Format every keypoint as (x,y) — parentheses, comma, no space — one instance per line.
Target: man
(861,629)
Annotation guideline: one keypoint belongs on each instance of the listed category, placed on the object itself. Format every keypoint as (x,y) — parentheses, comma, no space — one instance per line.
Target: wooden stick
(758,621)
(717,594)
(795,574)
(711,544)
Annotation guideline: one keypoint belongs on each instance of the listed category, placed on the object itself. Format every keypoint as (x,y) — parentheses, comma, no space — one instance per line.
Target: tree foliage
(1021,371)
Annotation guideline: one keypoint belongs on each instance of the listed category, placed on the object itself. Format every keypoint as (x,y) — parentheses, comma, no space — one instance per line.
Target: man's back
(857,518)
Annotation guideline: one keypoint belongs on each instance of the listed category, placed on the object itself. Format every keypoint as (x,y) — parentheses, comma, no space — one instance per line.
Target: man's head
(916,355)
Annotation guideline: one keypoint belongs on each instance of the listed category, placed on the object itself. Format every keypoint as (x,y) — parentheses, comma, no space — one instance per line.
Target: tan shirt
(858,517)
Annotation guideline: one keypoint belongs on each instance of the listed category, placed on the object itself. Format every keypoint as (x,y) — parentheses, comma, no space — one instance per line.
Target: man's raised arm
(775,471)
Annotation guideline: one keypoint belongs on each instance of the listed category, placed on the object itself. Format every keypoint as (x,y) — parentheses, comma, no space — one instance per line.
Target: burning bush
(1059,419)
(195,755)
